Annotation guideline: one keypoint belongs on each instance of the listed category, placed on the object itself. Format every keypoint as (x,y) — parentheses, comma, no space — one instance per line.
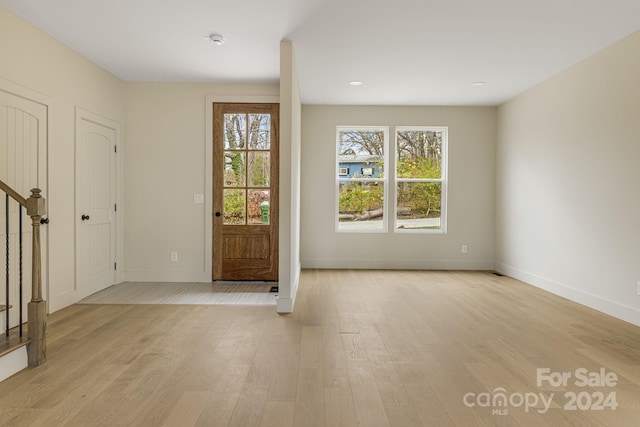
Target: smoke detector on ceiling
(216,39)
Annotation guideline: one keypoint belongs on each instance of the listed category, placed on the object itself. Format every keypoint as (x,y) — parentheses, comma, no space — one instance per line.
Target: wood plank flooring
(363,348)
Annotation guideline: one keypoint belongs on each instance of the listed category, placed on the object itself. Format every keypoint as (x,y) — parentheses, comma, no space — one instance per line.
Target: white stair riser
(14,362)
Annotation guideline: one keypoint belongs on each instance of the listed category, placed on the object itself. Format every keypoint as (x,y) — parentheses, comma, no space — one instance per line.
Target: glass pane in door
(259,131)
(258,207)
(259,168)
(235,131)
(234,169)
(234,207)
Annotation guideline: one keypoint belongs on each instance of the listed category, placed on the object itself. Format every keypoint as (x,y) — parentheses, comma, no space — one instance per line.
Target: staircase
(20,347)
(13,349)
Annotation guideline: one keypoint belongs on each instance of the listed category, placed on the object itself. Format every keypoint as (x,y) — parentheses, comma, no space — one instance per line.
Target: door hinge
(115,208)
(115,265)
(115,148)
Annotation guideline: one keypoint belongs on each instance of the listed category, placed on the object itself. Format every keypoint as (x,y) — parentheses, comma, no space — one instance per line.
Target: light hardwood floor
(363,348)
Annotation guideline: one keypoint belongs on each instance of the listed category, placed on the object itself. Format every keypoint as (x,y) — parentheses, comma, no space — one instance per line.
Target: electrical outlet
(464,249)
(198,199)
(174,256)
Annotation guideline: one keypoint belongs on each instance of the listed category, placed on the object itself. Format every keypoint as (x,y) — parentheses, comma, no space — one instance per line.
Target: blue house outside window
(359,166)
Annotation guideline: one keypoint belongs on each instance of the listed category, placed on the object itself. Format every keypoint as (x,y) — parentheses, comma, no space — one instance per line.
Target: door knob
(85,217)
(218,213)
(44,220)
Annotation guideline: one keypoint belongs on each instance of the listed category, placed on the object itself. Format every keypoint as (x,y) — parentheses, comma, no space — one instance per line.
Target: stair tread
(13,342)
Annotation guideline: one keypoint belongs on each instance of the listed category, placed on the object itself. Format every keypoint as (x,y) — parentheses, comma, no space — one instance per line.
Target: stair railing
(36,309)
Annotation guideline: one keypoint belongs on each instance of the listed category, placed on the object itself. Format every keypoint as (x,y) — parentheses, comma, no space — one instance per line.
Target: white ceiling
(407,52)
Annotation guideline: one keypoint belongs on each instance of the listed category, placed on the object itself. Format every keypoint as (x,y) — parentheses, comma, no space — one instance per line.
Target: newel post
(37,308)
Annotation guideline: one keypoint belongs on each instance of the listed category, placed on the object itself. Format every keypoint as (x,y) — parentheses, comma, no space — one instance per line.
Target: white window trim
(384,180)
(444,180)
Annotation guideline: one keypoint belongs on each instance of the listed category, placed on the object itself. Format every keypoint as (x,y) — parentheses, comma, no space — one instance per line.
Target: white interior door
(23,166)
(96,141)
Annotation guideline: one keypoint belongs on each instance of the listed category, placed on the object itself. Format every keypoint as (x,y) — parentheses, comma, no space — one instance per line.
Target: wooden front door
(245,191)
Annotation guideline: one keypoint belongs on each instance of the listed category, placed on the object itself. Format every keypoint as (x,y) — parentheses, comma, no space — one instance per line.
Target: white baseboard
(14,362)
(285,305)
(167,276)
(596,302)
(409,264)
(60,301)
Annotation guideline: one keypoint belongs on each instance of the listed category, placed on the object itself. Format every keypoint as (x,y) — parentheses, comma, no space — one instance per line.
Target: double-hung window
(361,178)
(418,174)
(420,179)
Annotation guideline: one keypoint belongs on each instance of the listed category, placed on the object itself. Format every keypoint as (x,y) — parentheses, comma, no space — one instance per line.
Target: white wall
(35,61)
(568,206)
(470,197)
(290,136)
(165,166)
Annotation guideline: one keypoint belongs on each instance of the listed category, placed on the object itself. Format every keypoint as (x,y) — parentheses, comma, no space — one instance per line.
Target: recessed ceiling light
(355,83)
(478,84)
(216,39)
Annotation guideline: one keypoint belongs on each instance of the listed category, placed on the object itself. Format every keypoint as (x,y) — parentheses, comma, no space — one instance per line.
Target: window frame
(342,179)
(443,180)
